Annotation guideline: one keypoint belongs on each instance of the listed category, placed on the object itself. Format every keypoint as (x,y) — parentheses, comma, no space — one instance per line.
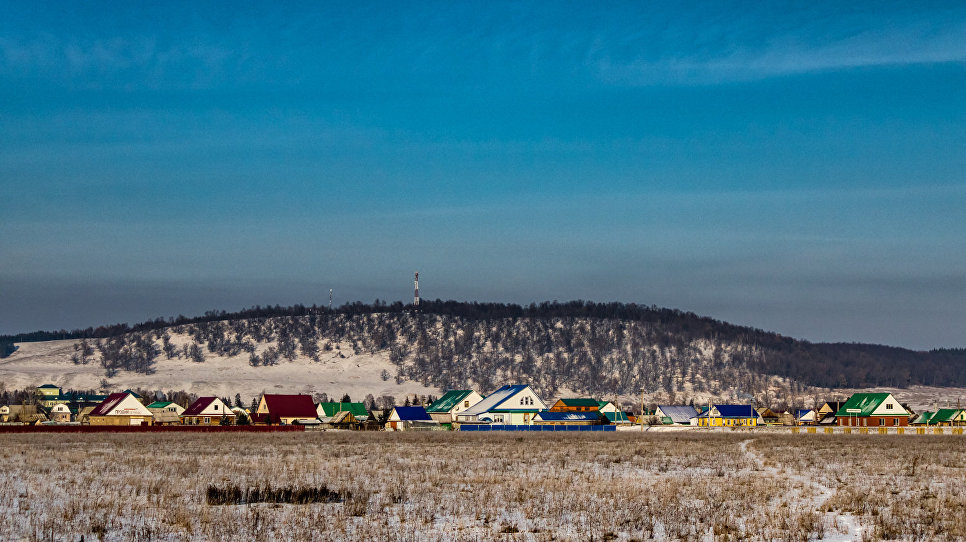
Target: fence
(553,428)
(149,428)
(880,430)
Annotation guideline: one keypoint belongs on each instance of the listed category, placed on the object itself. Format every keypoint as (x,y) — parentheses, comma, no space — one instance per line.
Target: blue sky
(796,167)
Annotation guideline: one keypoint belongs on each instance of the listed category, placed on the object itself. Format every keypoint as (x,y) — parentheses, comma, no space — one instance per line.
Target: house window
(216,407)
(466,404)
(881,421)
(207,420)
(888,406)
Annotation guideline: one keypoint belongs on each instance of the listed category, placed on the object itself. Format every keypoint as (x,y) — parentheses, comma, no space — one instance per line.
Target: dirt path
(846,527)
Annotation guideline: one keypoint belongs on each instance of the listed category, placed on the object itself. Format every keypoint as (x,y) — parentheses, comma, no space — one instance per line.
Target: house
(872,410)
(617,418)
(326,411)
(445,409)
(550,417)
(60,413)
(923,418)
(768,416)
(675,414)
(510,405)
(410,418)
(343,420)
(607,406)
(949,417)
(166,412)
(21,414)
(805,416)
(576,405)
(727,416)
(49,395)
(208,411)
(278,409)
(121,409)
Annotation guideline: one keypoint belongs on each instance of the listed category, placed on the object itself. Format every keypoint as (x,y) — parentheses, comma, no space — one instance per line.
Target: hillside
(605,350)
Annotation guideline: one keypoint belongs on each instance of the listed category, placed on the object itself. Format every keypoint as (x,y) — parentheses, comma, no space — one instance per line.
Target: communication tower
(416,291)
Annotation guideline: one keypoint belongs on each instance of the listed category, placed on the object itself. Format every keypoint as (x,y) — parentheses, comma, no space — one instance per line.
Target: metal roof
(547,416)
(946,415)
(358,410)
(494,400)
(862,404)
(412,414)
(580,402)
(448,401)
(678,413)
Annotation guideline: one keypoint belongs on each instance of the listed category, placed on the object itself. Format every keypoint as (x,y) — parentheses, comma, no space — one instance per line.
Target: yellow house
(727,416)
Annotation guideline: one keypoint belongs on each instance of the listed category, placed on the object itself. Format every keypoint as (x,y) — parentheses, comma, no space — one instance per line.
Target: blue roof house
(510,405)
(410,418)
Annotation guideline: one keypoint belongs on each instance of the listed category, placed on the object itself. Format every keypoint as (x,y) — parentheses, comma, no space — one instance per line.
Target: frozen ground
(451,486)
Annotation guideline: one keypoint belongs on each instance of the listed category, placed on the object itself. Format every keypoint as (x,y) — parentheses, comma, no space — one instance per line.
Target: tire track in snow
(847,526)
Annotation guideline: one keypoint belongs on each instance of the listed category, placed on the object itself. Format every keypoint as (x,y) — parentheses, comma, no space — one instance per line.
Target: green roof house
(872,410)
(949,416)
(166,412)
(445,409)
(327,411)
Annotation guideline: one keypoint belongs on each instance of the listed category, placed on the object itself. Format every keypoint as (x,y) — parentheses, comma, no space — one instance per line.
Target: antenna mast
(330,298)
(416,291)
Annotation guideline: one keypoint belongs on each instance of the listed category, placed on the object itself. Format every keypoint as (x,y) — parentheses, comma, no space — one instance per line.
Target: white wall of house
(216,408)
(889,407)
(130,406)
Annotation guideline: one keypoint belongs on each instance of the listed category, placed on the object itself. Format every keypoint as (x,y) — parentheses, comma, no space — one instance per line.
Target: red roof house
(121,409)
(275,409)
(207,411)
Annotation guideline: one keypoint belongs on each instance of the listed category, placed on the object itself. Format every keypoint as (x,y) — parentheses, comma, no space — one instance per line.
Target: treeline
(611,346)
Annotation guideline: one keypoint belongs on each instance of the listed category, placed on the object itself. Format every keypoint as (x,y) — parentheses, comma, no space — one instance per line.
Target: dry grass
(451,486)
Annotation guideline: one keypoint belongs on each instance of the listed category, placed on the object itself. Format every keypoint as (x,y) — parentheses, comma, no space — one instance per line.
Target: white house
(207,411)
(509,405)
(60,413)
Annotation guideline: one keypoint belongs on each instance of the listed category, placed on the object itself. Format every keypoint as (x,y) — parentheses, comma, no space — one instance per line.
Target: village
(509,408)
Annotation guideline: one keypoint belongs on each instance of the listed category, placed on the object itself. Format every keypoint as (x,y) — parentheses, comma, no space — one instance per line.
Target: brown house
(575,405)
(121,409)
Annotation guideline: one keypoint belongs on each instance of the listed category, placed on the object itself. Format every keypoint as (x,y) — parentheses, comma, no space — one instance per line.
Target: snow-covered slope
(49,363)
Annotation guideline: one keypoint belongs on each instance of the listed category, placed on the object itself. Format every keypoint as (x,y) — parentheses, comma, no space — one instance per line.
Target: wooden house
(446,408)
(727,416)
(121,409)
(768,416)
(675,414)
(278,409)
(166,412)
(576,404)
(509,405)
(60,413)
(607,406)
(410,418)
(208,411)
(872,410)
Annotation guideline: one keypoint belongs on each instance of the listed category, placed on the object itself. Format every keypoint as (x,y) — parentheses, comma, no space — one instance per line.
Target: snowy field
(451,486)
